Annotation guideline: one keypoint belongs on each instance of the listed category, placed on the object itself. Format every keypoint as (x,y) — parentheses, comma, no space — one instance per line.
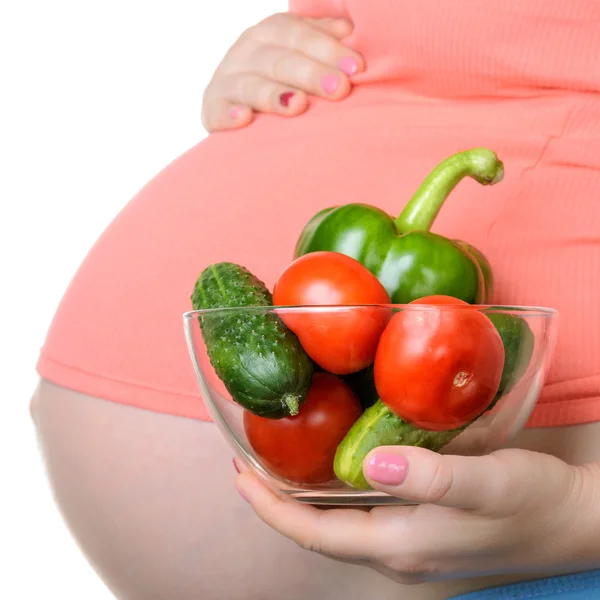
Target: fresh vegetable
(379,426)
(518,341)
(484,265)
(302,448)
(260,361)
(439,368)
(409,260)
(362,384)
(341,341)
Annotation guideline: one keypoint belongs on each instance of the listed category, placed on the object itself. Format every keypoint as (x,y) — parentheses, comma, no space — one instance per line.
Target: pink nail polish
(330,83)
(241,493)
(387,468)
(349,65)
(284,99)
(235,466)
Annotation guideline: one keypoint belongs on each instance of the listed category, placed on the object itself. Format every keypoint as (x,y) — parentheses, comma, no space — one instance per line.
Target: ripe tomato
(439,299)
(340,341)
(439,368)
(302,448)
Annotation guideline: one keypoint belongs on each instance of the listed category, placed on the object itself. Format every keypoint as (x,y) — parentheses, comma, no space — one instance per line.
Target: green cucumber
(260,361)
(379,426)
(518,341)
(362,383)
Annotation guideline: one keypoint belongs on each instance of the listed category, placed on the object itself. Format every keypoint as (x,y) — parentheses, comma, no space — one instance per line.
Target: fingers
(261,94)
(339,28)
(275,64)
(290,67)
(316,39)
(498,483)
(223,115)
(346,534)
(322,47)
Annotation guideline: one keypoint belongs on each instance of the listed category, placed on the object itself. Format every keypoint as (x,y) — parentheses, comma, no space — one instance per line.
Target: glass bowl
(493,430)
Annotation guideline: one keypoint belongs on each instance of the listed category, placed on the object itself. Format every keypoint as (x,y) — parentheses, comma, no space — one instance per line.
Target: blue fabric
(579,586)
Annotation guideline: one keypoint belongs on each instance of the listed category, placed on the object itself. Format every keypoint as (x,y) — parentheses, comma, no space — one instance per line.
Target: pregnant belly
(244,197)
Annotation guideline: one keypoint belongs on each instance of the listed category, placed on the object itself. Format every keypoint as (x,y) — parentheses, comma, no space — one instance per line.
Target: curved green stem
(480,163)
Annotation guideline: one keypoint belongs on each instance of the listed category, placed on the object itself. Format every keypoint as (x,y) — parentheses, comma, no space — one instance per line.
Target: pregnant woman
(356,108)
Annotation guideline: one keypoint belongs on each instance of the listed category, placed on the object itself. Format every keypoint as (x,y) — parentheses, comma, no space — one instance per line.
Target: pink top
(518,76)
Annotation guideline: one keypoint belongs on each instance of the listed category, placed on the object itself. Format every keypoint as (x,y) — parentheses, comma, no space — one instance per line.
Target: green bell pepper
(409,260)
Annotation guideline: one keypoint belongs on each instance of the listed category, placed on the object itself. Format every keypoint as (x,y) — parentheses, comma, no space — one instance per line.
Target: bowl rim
(530,311)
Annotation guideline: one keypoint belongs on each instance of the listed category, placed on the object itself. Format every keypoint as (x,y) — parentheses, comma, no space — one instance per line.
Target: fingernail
(349,65)
(235,466)
(241,493)
(389,469)
(284,99)
(330,83)
(234,113)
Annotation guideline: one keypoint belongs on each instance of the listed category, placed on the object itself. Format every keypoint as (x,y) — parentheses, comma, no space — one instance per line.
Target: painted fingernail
(241,493)
(389,469)
(349,65)
(234,113)
(330,83)
(284,99)
(235,466)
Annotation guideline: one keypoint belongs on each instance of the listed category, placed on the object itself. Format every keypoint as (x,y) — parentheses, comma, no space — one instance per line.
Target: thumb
(498,483)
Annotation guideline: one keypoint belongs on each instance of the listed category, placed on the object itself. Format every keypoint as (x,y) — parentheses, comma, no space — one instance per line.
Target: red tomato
(341,342)
(438,300)
(302,448)
(439,368)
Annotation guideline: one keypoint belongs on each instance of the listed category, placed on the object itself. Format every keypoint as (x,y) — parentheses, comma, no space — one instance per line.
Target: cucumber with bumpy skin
(260,361)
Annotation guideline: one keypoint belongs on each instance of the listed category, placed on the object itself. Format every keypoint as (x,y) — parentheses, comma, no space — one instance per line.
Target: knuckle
(297,34)
(439,484)
(271,26)
(322,46)
(280,67)
(245,87)
(311,544)
(248,35)
(276,19)
(308,74)
(411,569)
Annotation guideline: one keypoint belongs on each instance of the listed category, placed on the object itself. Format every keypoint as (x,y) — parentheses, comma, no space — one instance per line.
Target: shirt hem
(549,413)
(115,390)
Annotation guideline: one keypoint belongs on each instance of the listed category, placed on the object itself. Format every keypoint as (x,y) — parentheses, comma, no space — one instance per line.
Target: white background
(96,98)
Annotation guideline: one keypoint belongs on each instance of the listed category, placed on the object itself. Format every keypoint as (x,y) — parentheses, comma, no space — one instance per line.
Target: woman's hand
(511,511)
(274,65)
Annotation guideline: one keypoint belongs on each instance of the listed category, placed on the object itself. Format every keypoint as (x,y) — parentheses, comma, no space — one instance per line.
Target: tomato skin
(341,342)
(302,448)
(439,368)
(439,300)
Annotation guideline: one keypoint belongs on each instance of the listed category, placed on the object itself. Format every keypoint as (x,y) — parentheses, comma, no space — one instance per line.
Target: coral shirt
(521,77)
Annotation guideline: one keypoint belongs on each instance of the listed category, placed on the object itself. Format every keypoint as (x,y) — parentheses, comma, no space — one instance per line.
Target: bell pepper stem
(479,163)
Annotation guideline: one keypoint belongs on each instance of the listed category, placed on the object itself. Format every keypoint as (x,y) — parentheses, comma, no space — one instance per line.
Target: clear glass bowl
(491,431)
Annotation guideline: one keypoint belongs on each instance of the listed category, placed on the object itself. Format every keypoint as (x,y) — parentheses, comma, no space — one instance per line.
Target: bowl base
(343,498)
